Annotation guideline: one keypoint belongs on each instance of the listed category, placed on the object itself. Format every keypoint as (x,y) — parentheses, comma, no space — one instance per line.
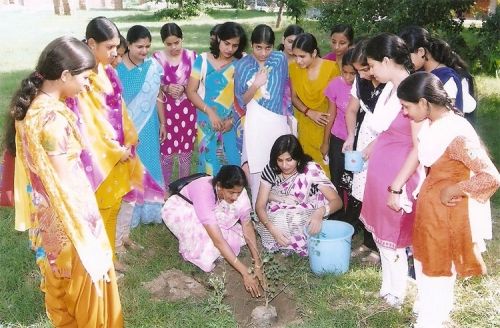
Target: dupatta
(309,91)
(85,230)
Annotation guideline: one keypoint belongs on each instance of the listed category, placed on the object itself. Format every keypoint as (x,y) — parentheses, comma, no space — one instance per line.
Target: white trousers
(394,271)
(434,300)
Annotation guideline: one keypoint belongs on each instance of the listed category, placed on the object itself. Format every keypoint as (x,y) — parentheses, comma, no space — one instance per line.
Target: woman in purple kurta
(177,114)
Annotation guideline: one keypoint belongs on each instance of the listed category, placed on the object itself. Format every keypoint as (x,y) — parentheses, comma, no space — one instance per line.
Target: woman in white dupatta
(453,215)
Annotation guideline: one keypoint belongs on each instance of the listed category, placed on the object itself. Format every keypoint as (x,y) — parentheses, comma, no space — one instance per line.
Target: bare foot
(129,243)
(119,266)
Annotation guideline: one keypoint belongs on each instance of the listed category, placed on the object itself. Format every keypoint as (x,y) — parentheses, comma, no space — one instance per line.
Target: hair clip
(38,75)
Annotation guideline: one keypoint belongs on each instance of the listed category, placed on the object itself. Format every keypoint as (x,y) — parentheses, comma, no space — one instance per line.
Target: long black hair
(293,29)
(230,176)
(288,143)
(425,85)
(262,33)
(390,46)
(359,53)
(138,32)
(418,37)
(307,43)
(344,29)
(226,31)
(101,29)
(170,29)
(63,53)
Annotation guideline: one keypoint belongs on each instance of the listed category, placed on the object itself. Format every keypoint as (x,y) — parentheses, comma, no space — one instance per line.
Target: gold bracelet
(235,260)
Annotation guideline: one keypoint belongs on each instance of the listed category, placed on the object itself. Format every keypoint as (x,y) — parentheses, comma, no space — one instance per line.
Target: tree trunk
(118,4)
(82,4)
(181,4)
(57,7)
(280,13)
(103,3)
(66,7)
(492,7)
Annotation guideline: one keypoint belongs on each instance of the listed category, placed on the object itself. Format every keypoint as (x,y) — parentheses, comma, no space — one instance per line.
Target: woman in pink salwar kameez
(211,218)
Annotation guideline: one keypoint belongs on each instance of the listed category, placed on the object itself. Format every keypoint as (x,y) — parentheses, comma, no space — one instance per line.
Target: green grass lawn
(344,301)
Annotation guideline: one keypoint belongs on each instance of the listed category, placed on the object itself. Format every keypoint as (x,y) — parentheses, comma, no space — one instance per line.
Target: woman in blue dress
(216,119)
(140,77)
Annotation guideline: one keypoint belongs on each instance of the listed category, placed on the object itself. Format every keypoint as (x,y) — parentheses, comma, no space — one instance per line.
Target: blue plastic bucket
(353,161)
(330,249)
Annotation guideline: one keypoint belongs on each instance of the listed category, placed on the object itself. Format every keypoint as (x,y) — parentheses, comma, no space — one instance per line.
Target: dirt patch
(242,304)
(174,285)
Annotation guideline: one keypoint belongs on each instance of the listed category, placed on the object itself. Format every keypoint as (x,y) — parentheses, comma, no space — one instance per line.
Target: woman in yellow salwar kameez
(54,198)
(109,136)
(310,75)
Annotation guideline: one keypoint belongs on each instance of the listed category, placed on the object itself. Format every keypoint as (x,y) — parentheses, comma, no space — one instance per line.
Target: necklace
(439,64)
(286,176)
(128,55)
(45,93)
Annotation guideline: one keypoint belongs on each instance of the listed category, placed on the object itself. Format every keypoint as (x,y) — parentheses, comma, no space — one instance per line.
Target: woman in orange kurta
(53,197)
(310,76)
(453,216)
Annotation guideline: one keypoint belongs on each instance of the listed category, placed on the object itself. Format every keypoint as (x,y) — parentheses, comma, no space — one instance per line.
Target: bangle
(327,210)
(204,110)
(392,191)
(235,260)
(307,110)
(264,222)
(258,266)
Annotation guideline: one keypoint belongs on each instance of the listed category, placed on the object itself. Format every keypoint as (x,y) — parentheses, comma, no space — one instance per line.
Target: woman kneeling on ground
(294,193)
(204,217)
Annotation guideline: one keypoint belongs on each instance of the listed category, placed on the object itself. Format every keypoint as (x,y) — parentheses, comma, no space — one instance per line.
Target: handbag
(176,186)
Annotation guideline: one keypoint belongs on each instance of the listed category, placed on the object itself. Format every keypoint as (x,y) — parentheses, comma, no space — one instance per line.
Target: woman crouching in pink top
(212,219)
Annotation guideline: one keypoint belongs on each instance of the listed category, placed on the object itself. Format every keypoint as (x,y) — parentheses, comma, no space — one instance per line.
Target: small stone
(264,316)
(174,285)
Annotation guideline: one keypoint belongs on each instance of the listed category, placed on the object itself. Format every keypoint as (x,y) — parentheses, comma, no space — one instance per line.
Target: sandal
(360,250)
(372,259)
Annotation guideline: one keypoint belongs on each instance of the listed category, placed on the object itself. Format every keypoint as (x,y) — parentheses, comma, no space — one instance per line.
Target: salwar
(75,301)
(167,166)
(123,224)
(434,300)
(394,271)
(110,218)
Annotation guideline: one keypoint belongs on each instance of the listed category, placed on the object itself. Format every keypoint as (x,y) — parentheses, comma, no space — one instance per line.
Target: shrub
(443,18)
(188,9)
(373,16)
(488,51)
